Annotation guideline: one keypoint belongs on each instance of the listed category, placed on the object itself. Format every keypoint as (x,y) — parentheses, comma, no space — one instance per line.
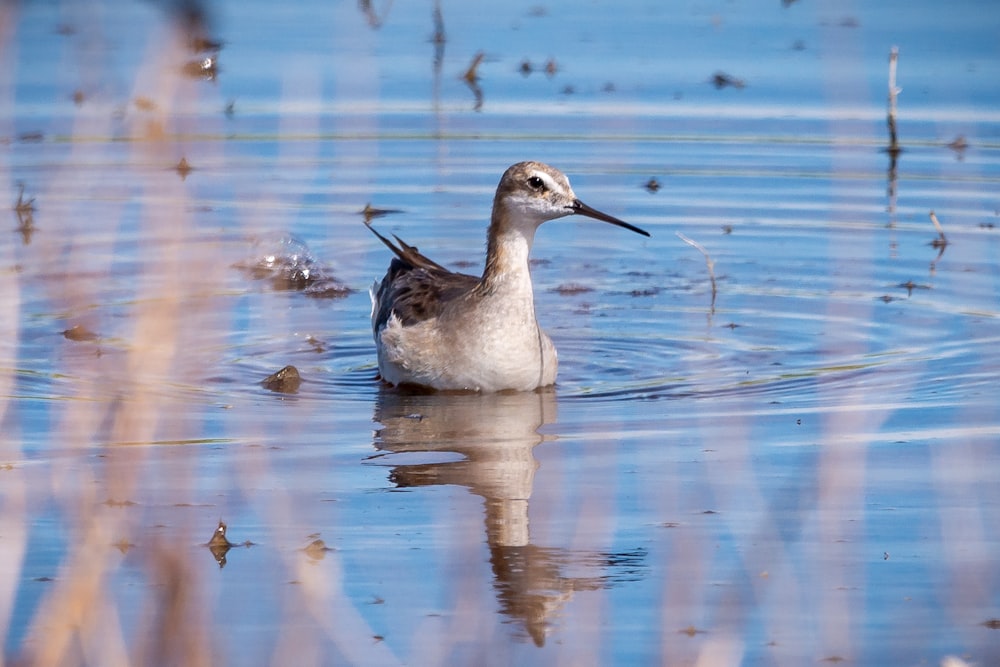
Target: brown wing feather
(415,287)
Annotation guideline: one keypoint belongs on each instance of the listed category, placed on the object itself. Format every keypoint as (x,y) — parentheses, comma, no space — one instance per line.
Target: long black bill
(579,208)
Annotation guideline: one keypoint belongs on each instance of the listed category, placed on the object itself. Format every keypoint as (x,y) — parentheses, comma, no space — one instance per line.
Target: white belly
(479,357)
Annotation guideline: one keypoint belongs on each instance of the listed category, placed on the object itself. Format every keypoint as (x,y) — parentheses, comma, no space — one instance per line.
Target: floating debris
(959,145)
(123,545)
(220,545)
(289,265)
(285,381)
(722,80)
(909,286)
(80,334)
(219,538)
(183,168)
(206,68)
(569,289)
(144,104)
(652,185)
(317,549)
(370,212)
(112,502)
(316,344)
(551,67)
(326,288)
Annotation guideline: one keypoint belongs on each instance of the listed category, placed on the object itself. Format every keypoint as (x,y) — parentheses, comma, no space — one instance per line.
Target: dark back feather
(415,287)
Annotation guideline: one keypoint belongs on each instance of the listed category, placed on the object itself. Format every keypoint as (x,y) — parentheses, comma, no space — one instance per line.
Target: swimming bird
(443,330)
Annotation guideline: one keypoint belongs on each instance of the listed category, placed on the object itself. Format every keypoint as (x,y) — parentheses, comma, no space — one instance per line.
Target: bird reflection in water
(495,434)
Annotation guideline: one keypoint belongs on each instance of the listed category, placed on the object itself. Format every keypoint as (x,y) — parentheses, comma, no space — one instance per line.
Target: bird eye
(536,182)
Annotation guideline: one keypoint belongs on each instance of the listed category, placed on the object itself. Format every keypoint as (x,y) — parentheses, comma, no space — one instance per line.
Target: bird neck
(508,247)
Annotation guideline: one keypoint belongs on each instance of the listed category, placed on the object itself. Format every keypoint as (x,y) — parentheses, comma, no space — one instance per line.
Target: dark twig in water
(439,35)
(894,92)
(940,241)
(438,39)
(893,149)
(471,78)
(25,211)
(374,20)
(472,74)
(708,262)
(24,205)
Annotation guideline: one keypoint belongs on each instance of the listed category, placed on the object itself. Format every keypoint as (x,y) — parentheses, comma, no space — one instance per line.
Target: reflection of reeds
(119,379)
(79,621)
(114,402)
